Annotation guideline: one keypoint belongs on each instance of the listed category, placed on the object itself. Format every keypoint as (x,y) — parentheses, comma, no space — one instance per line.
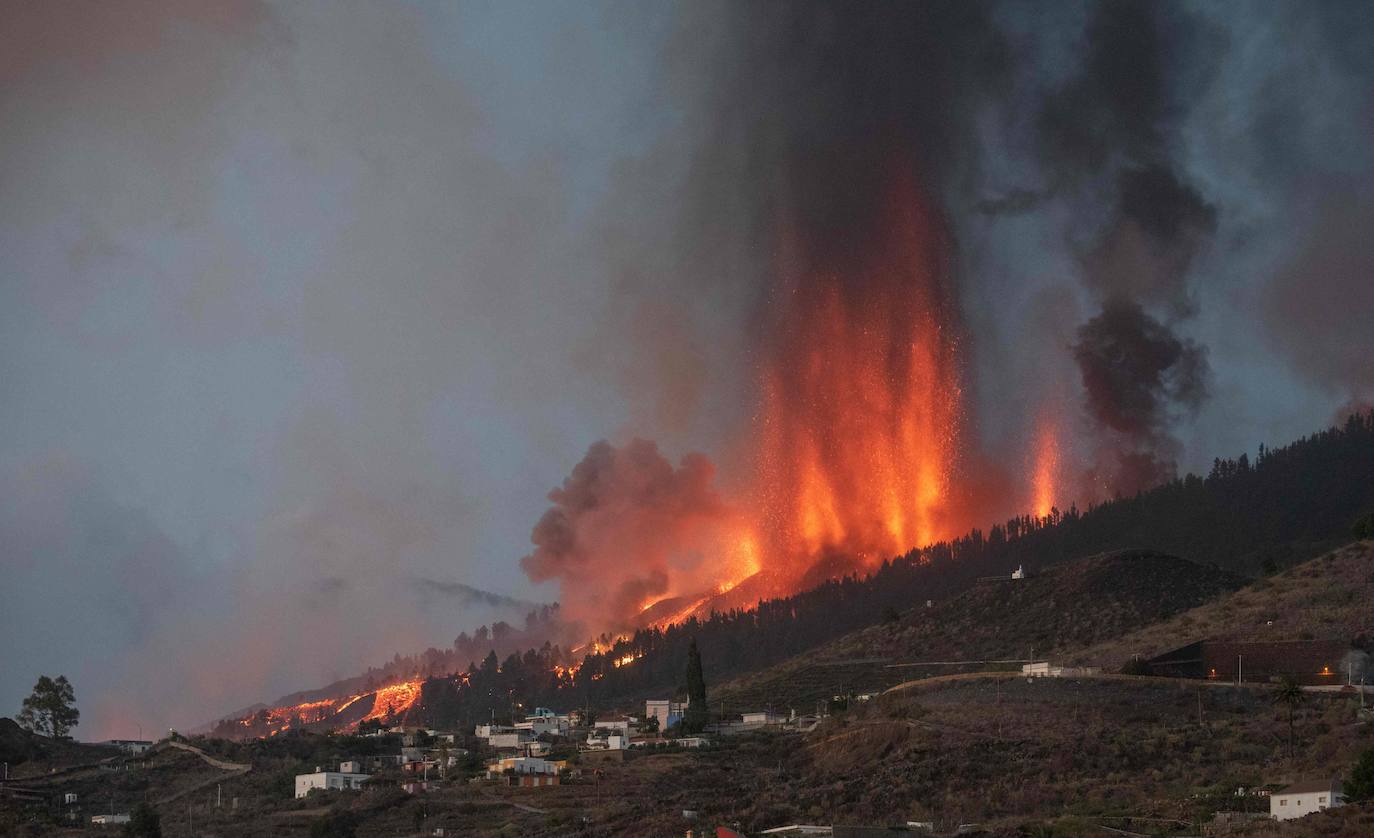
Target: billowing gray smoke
(619,524)
(1109,140)
(1136,372)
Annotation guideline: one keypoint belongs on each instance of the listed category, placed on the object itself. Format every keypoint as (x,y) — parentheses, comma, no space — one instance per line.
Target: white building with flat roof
(667,711)
(1304,798)
(328,780)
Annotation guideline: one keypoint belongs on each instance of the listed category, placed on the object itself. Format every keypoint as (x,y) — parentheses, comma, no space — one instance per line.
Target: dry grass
(1331,596)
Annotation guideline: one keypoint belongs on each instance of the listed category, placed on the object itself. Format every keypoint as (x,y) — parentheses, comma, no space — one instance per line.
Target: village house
(109,820)
(523,765)
(1045,669)
(667,711)
(129,746)
(1304,798)
(599,740)
(544,720)
(691,742)
(763,717)
(510,741)
(321,779)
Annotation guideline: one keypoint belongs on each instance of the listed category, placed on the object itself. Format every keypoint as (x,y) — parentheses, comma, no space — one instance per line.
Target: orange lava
(862,403)
(1045,471)
(393,700)
(389,703)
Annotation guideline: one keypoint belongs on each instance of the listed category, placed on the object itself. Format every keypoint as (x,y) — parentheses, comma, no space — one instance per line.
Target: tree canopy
(50,709)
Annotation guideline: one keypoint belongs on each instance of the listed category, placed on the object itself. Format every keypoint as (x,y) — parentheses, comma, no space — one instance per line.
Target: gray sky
(303,304)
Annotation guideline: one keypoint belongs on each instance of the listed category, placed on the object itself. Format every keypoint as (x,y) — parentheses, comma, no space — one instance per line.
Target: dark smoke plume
(1137,373)
(1111,130)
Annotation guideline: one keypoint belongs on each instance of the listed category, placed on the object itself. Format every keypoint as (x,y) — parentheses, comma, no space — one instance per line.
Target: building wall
(1285,807)
(305,783)
(1310,662)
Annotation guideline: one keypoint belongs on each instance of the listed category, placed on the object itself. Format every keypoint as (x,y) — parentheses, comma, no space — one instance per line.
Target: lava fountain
(861,398)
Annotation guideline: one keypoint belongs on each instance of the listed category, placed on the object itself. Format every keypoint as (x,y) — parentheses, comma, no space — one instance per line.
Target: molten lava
(389,704)
(862,402)
(1045,469)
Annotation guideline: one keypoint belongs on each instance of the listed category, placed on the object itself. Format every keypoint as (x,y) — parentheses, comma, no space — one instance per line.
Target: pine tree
(694,720)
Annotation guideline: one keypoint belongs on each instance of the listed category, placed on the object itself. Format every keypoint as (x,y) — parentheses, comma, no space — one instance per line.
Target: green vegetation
(1364,526)
(50,709)
(1360,786)
(1290,696)
(144,822)
(694,720)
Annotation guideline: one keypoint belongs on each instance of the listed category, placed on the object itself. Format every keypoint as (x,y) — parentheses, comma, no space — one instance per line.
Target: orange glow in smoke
(1045,473)
(861,404)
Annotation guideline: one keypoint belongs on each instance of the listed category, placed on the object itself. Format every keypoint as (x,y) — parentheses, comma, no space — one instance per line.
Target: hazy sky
(305,304)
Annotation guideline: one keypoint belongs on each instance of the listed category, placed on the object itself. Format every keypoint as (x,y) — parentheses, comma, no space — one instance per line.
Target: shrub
(1361,784)
(1364,526)
(1136,666)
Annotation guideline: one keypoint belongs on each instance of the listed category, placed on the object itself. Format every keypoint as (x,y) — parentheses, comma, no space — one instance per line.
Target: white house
(764,718)
(522,765)
(305,783)
(1305,798)
(129,746)
(667,711)
(485,731)
(352,766)
(514,739)
(1045,669)
(109,819)
(1019,573)
(692,741)
(543,724)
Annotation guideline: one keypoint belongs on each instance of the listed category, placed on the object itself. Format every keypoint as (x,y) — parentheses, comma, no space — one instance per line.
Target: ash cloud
(625,528)
(276,322)
(462,595)
(1109,136)
(1137,374)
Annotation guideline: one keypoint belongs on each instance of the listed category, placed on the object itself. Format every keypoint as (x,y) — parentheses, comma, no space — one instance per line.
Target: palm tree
(1291,696)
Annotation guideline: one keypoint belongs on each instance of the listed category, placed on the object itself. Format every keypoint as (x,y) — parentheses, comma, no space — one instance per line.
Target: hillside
(1286,506)
(996,623)
(28,753)
(1328,597)
(1144,755)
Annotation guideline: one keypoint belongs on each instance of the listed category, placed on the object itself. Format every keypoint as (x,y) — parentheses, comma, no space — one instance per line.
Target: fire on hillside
(387,704)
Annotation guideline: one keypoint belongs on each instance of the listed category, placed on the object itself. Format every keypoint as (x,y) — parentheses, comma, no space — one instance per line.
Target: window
(1283,801)
(1321,799)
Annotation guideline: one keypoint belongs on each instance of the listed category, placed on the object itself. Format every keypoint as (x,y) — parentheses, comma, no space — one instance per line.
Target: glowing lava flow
(388,703)
(393,700)
(862,402)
